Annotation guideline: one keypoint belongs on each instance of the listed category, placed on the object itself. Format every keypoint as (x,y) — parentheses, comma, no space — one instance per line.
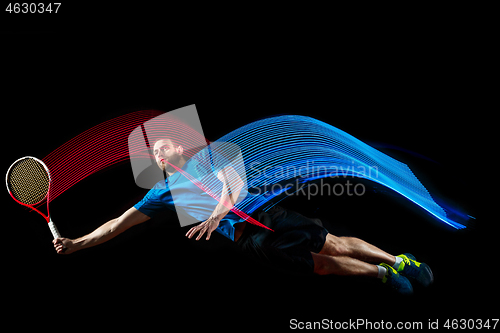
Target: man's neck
(181,163)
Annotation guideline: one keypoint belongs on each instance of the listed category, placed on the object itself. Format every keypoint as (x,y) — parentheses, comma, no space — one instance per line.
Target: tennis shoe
(415,270)
(396,281)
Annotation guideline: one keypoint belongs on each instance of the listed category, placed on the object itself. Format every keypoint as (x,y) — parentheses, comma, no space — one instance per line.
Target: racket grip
(53,230)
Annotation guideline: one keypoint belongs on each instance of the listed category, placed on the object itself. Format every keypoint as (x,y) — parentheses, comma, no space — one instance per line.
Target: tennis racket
(28,183)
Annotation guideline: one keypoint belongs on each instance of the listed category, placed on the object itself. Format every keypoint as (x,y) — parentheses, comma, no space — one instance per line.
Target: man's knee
(321,264)
(335,246)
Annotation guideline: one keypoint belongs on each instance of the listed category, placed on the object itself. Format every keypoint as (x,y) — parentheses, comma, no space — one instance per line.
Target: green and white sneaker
(415,270)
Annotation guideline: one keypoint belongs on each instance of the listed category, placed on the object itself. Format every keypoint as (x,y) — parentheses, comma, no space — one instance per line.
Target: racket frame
(52,226)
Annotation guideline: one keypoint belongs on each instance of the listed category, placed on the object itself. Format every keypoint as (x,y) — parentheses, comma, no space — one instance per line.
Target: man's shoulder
(161,185)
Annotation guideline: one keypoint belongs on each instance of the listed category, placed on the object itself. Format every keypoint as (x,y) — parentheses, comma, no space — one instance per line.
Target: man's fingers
(202,231)
(61,249)
(201,228)
(209,232)
(192,231)
(57,242)
(59,245)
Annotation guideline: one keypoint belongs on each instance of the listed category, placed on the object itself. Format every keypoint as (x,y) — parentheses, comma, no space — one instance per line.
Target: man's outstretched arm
(102,234)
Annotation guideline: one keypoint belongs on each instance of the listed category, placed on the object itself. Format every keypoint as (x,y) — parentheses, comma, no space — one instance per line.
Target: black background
(424,91)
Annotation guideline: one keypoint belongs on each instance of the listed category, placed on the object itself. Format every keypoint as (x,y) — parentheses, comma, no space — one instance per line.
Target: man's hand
(230,179)
(208,226)
(64,245)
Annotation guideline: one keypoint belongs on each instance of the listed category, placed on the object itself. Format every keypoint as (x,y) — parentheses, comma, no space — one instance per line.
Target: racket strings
(28,181)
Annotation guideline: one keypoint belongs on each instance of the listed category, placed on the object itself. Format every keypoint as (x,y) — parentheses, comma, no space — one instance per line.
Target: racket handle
(54,230)
(55,233)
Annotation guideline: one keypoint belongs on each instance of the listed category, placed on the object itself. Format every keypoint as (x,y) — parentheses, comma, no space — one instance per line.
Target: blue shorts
(289,247)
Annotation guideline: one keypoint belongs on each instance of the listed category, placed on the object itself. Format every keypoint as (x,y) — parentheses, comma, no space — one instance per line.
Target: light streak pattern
(279,149)
(271,148)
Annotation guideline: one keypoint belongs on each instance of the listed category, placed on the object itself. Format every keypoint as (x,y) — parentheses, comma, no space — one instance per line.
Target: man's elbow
(118,225)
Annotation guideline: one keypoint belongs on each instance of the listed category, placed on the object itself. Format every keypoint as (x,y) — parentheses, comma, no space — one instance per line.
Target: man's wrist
(216,218)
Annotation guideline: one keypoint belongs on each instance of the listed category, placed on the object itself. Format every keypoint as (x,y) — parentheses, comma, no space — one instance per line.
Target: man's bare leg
(340,265)
(355,248)
(348,256)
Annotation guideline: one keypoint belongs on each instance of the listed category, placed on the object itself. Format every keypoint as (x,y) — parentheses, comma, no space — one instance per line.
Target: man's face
(164,150)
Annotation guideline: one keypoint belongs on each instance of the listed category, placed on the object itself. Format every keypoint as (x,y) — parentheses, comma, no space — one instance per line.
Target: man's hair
(173,143)
(188,152)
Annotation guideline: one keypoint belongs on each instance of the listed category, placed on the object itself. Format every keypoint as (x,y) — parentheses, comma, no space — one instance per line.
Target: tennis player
(296,242)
